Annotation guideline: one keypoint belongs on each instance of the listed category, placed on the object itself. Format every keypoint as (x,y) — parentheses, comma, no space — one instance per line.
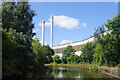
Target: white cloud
(65,22)
(65,42)
(84,24)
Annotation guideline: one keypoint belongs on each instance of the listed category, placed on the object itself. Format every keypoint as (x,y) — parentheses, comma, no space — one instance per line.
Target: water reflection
(42,74)
(64,73)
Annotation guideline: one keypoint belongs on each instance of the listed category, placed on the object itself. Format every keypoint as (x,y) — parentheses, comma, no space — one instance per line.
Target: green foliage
(49,60)
(18,15)
(68,60)
(16,38)
(87,52)
(76,59)
(81,59)
(67,54)
(117,65)
(56,59)
(68,51)
(97,56)
(19,52)
(39,55)
(15,56)
(64,60)
(106,49)
(109,45)
(49,53)
(73,59)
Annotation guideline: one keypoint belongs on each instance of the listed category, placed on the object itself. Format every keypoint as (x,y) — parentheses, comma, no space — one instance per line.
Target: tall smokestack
(43,32)
(51,43)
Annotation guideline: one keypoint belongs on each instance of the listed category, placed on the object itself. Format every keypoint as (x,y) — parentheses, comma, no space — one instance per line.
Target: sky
(73,21)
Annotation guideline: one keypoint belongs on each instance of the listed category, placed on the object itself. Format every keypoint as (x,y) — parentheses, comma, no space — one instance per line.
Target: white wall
(78,53)
(60,54)
(74,43)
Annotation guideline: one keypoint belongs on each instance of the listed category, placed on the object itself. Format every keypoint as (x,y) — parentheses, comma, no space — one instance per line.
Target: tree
(18,15)
(64,60)
(9,65)
(68,51)
(16,38)
(87,52)
(98,54)
(76,59)
(68,60)
(49,53)
(39,55)
(57,59)
(81,59)
(15,57)
(73,58)
(109,43)
(114,38)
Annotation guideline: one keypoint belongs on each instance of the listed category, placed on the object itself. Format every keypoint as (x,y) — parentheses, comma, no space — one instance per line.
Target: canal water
(65,73)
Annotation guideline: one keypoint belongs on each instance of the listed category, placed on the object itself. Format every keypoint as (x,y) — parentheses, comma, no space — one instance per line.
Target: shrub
(56,59)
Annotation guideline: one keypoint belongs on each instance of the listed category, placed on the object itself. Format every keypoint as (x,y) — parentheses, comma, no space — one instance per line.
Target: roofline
(77,41)
(73,42)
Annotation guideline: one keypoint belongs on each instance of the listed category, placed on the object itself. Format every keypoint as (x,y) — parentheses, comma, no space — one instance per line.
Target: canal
(55,72)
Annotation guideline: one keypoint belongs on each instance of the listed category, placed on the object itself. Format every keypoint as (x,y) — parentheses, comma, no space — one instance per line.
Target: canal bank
(112,71)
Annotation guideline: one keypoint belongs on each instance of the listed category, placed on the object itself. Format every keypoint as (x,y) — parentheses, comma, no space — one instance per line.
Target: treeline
(21,53)
(105,50)
(68,57)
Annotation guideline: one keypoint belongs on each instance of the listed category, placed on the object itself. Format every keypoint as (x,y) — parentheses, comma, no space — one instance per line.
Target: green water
(52,73)
(68,72)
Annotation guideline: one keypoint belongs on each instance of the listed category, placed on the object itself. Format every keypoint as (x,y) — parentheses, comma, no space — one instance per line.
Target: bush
(56,59)
(49,53)
(49,60)
(117,65)
(68,60)
(63,59)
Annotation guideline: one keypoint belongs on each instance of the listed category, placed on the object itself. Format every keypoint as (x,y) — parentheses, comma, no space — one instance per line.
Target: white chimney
(43,32)
(51,41)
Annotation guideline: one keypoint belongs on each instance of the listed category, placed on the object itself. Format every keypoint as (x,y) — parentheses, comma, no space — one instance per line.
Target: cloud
(65,22)
(65,42)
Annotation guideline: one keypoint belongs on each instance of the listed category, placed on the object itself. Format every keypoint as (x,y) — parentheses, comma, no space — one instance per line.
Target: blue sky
(74,21)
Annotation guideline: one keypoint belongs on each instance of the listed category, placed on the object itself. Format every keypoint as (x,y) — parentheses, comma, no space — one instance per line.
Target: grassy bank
(113,71)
